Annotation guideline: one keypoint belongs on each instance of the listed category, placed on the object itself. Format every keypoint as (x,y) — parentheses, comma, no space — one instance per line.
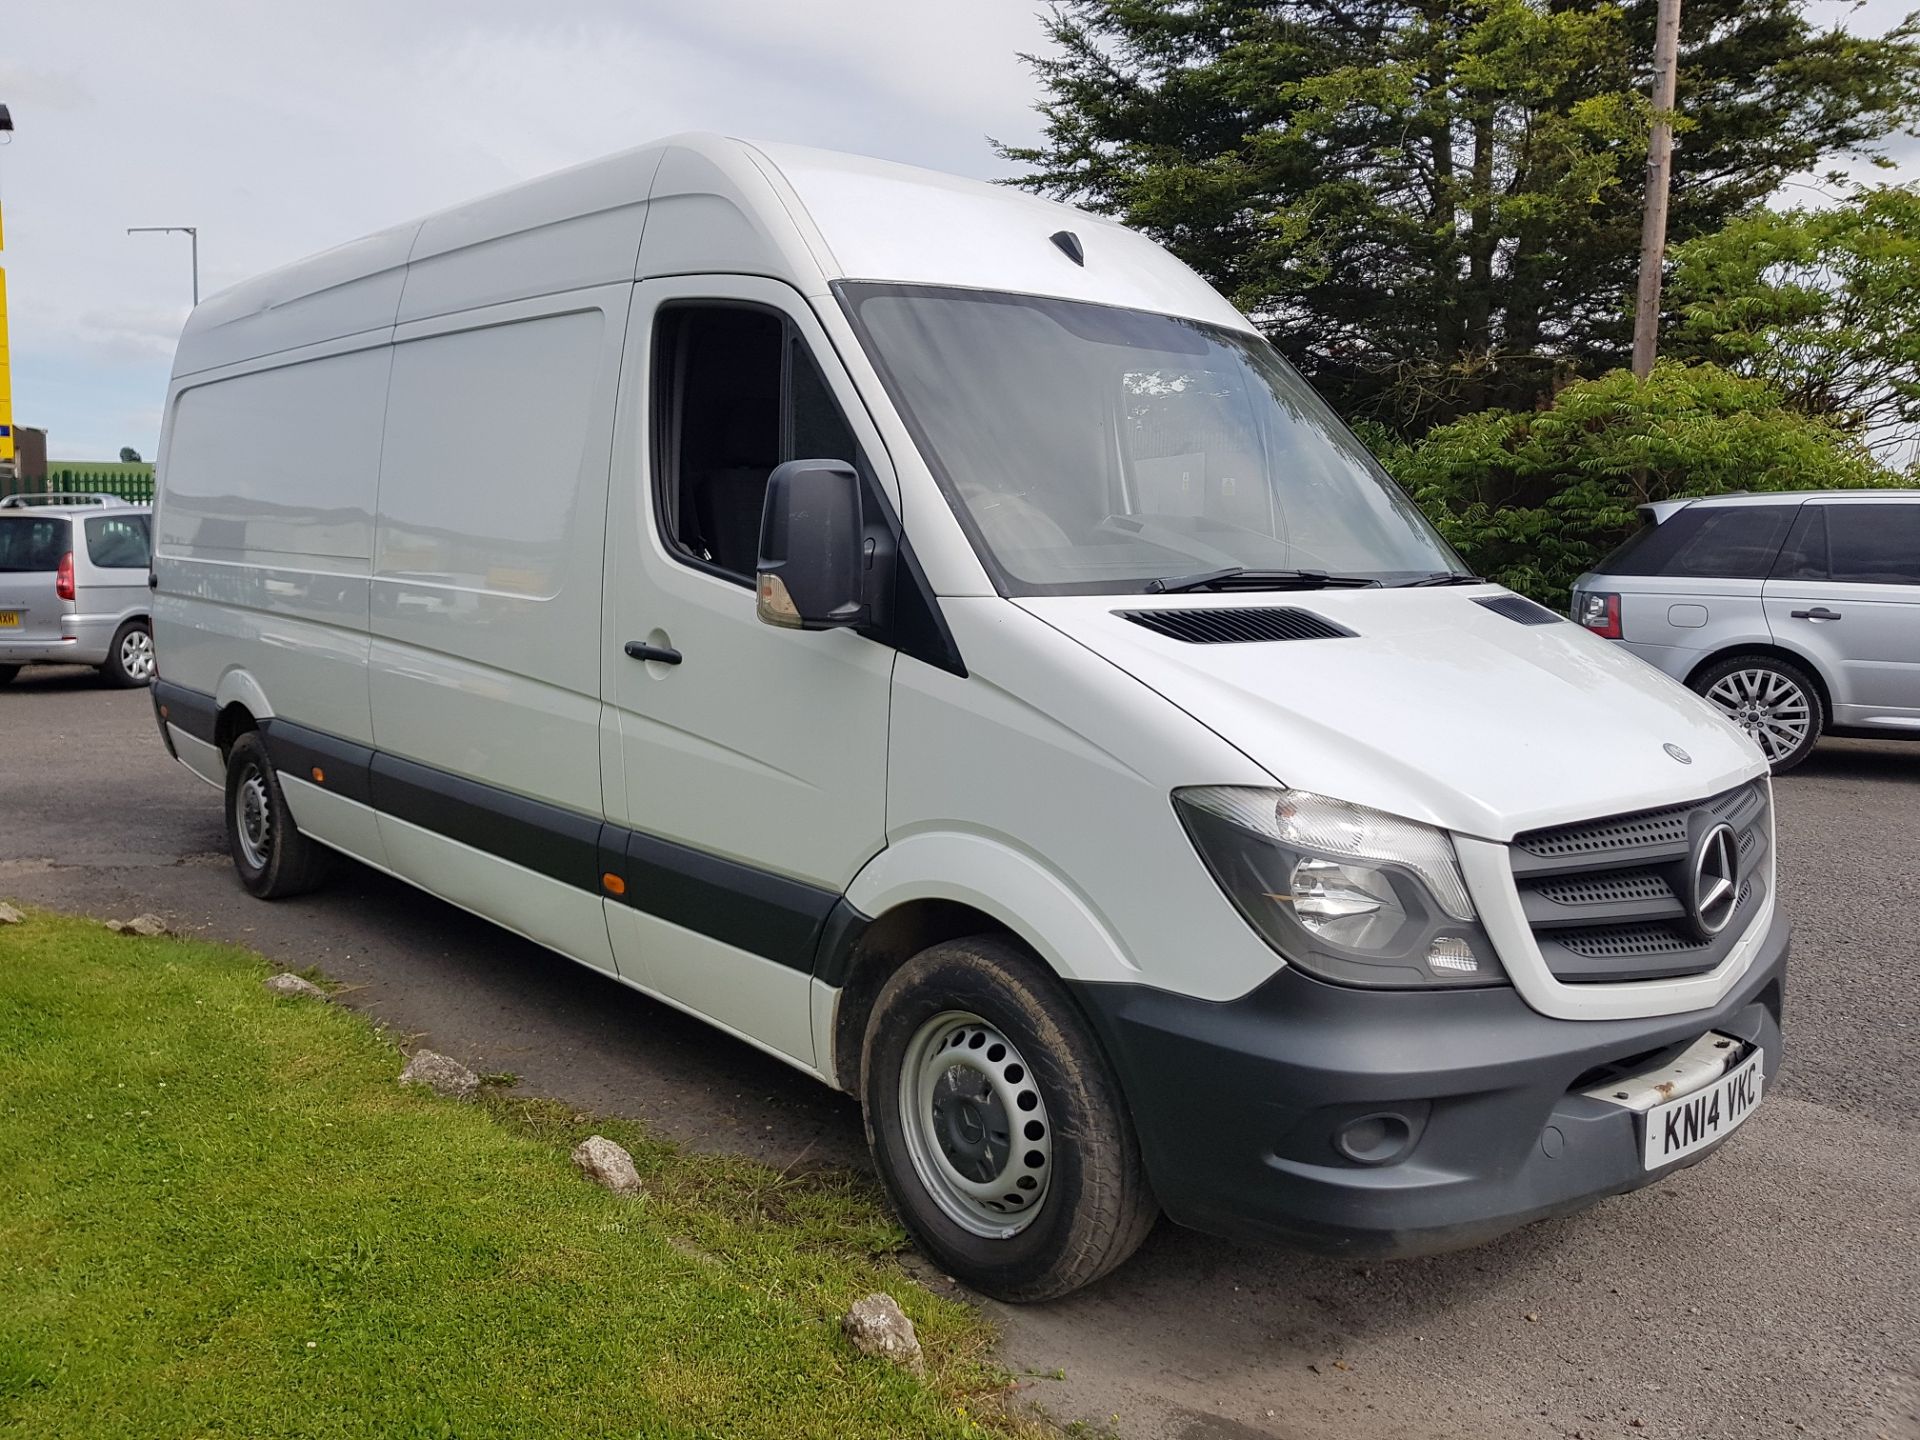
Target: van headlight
(1346,893)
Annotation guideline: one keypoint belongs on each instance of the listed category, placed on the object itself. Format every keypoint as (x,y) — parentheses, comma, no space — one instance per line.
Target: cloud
(281,130)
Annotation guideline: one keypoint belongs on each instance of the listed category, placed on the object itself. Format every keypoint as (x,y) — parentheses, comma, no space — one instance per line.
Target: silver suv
(73,585)
(1797,614)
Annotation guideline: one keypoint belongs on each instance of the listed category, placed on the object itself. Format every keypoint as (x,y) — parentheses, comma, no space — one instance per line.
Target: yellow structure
(6,364)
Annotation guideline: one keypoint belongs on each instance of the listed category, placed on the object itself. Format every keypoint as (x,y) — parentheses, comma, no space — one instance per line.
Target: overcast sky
(283,128)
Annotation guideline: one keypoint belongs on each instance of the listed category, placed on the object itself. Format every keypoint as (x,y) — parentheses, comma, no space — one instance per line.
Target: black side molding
(192,711)
(774,916)
(839,938)
(739,905)
(300,752)
(561,844)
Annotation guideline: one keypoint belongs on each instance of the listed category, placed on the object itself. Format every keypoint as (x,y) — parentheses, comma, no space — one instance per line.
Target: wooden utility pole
(1653,225)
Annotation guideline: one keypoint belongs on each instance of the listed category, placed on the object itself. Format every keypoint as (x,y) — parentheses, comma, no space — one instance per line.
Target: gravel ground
(1772,1291)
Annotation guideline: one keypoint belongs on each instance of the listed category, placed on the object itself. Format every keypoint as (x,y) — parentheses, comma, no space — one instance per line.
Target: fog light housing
(1375,1139)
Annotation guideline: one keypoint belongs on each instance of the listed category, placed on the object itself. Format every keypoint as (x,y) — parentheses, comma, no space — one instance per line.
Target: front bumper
(1238,1105)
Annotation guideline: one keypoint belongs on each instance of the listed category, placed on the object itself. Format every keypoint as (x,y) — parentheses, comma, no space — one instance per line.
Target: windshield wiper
(1239,577)
(1441,577)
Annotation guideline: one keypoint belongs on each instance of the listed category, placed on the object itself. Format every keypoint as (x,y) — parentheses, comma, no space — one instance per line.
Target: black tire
(130,657)
(1096,1205)
(1748,678)
(276,860)
(7,672)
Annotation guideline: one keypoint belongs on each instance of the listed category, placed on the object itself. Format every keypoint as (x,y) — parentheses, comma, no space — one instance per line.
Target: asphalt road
(1772,1291)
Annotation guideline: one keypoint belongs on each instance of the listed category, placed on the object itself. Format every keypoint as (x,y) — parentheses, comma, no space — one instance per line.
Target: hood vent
(1238,626)
(1520,609)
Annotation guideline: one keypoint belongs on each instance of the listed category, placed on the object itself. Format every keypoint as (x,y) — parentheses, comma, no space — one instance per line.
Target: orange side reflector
(163,712)
(615,885)
(319,776)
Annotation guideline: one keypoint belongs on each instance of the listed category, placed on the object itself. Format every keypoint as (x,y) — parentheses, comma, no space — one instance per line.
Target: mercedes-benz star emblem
(1677,753)
(1716,861)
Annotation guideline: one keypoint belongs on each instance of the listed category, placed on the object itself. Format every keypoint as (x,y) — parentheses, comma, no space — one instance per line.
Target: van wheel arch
(233,721)
(887,943)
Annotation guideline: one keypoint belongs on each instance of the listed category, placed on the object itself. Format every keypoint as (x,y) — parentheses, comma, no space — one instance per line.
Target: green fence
(129,482)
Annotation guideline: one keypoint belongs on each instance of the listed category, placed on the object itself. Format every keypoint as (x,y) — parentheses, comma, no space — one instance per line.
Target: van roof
(697,203)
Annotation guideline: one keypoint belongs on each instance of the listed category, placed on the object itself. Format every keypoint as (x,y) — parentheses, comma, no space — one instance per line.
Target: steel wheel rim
(136,655)
(976,1125)
(1768,706)
(253,819)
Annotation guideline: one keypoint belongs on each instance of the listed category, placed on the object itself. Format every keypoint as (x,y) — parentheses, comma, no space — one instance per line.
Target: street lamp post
(192,233)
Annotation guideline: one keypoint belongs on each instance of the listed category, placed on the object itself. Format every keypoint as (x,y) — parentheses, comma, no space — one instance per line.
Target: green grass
(221,1216)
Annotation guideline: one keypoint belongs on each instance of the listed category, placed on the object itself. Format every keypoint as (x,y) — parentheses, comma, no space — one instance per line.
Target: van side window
(737,395)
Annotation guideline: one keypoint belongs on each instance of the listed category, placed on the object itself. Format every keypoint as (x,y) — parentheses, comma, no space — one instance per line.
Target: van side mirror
(812,572)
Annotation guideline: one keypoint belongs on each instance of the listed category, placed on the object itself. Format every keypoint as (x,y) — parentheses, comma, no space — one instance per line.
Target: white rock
(144,925)
(10,916)
(289,984)
(608,1164)
(877,1326)
(441,1074)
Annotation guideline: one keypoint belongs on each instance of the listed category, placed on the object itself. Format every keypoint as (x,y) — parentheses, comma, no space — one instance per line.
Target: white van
(928,633)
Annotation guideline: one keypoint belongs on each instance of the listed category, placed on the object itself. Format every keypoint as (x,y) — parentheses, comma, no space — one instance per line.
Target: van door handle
(1819,612)
(663,654)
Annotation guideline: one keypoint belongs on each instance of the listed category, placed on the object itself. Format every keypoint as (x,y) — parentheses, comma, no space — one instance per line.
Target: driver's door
(748,761)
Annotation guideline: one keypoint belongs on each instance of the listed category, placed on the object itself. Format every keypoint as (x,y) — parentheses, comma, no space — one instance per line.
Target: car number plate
(1680,1127)
(9,619)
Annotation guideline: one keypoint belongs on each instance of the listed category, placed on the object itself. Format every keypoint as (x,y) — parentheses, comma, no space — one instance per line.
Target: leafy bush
(1532,499)
(1823,304)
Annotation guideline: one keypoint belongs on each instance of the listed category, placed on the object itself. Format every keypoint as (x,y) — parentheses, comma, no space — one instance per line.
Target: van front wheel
(271,856)
(997,1125)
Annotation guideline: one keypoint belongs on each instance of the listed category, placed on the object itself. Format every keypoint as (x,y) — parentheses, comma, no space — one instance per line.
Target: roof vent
(1070,246)
(1519,609)
(1238,626)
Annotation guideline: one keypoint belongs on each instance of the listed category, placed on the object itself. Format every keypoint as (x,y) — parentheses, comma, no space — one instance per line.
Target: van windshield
(1089,449)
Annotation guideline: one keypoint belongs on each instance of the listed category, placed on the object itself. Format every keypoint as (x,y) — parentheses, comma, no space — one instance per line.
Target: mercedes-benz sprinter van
(928,633)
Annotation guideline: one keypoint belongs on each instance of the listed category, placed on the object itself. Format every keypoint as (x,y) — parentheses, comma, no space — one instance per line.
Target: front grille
(1238,626)
(1607,899)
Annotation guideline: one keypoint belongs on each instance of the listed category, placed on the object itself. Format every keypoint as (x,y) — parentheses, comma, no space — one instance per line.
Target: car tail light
(1599,611)
(63,580)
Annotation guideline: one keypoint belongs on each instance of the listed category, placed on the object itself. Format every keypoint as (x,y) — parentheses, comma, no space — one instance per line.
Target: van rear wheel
(273,859)
(997,1125)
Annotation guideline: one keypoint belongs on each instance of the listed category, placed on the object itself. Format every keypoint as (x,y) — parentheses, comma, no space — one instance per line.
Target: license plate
(1680,1127)
(9,619)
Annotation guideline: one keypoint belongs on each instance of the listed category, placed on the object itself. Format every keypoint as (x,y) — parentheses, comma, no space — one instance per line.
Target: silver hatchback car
(1797,614)
(73,585)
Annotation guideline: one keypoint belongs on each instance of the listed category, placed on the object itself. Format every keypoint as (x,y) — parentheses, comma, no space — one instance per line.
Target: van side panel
(263,536)
(486,587)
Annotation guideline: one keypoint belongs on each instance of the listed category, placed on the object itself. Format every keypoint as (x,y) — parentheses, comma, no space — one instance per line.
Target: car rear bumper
(84,640)
(1241,1106)
(66,650)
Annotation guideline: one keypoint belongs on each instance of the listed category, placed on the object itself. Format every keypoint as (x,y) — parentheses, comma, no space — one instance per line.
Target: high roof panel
(800,215)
